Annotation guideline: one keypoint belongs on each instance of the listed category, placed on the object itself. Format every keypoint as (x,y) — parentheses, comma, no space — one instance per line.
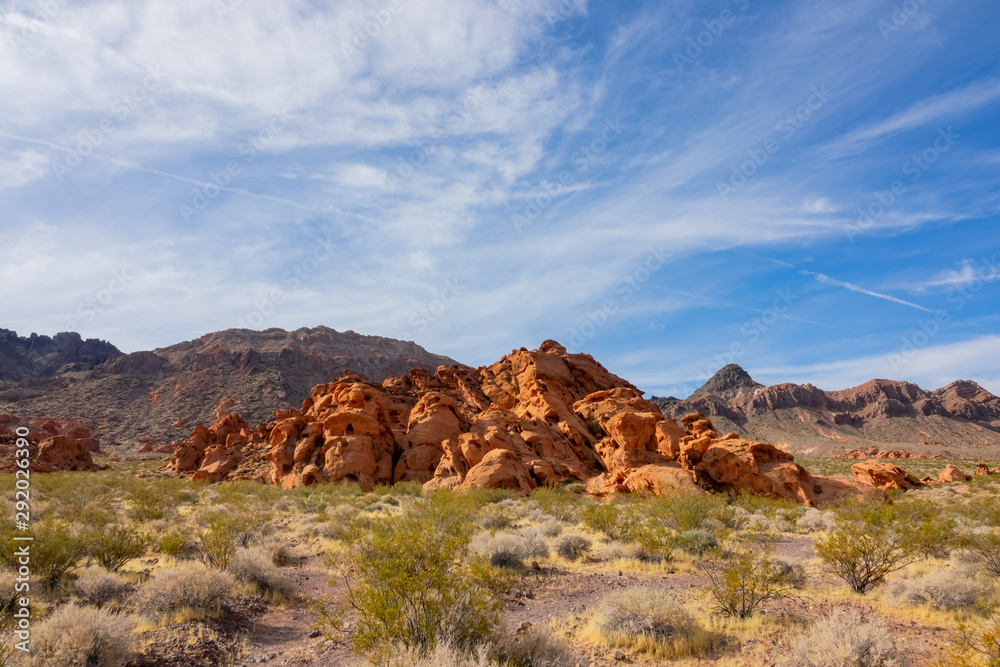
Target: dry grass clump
(947,590)
(76,636)
(533,648)
(526,543)
(572,546)
(99,588)
(550,527)
(443,655)
(255,568)
(848,640)
(188,592)
(647,621)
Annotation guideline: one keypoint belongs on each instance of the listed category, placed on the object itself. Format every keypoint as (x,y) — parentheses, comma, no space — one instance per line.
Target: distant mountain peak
(727,382)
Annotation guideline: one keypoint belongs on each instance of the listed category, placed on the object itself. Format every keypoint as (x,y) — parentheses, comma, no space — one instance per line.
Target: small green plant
(697,542)
(611,520)
(177,543)
(410,585)
(984,548)
(55,550)
(114,546)
(748,576)
(866,546)
(218,540)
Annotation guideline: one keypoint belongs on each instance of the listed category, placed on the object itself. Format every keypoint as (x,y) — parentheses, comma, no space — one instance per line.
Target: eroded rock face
(214,452)
(953,474)
(534,418)
(53,444)
(884,476)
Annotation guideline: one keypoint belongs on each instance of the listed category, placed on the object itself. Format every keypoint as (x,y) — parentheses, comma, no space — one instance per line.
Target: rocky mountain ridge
(152,398)
(959,419)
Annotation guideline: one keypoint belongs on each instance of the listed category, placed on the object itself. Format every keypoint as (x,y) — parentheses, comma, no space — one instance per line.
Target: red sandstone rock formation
(54,444)
(540,417)
(953,474)
(884,476)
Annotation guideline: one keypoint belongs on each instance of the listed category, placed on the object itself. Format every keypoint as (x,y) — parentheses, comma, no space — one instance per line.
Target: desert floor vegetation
(157,570)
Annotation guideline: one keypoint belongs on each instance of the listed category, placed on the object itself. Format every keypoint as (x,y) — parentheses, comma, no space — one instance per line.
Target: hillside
(961,419)
(156,396)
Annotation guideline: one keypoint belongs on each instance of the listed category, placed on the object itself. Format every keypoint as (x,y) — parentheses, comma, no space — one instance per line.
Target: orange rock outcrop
(53,444)
(534,418)
(884,476)
(953,474)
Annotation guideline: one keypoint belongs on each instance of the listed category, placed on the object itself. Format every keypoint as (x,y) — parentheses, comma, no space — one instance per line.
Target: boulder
(885,476)
(500,469)
(953,474)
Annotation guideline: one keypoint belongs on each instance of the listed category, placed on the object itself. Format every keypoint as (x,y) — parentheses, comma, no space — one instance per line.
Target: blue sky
(806,188)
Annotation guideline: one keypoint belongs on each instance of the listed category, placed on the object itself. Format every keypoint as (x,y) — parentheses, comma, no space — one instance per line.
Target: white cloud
(22,168)
(934,109)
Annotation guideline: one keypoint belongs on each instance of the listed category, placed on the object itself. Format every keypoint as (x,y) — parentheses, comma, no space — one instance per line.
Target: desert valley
(396,507)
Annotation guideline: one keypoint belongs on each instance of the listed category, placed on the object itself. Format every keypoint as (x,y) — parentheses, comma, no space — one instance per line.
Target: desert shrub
(496,516)
(696,542)
(443,654)
(563,505)
(114,546)
(148,502)
(654,542)
(410,586)
(532,648)
(55,549)
(748,577)
(645,620)
(100,588)
(814,520)
(572,547)
(929,532)
(83,637)
(506,560)
(277,551)
(848,640)
(551,527)
(866,546)
(949,589)
(975,646)
(754,503)
(526,543)
(193,588)
(610,520)
(687,511)
(255,568)
(794,573)
(218,539)
(178,543)
(984,548)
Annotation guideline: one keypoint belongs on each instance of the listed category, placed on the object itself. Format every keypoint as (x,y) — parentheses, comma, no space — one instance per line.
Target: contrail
(827,280)
(137,167)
